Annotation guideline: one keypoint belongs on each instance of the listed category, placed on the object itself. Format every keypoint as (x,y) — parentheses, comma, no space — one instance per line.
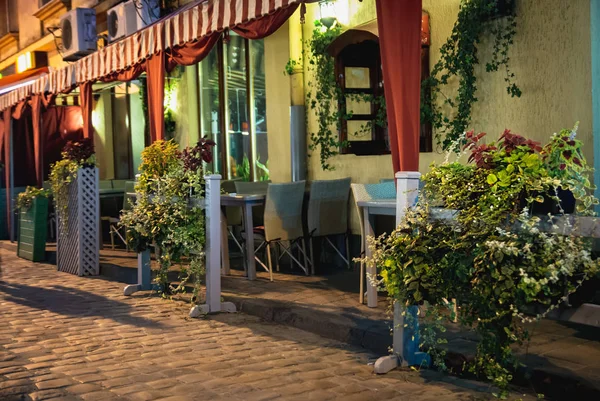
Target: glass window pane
(357,78)
(357,106)
(360,130)
(259,101)
(238,134)
(210,118)
(121,134)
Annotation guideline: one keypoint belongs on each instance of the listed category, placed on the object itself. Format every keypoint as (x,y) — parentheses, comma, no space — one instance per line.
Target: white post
(213,242)
(213,251)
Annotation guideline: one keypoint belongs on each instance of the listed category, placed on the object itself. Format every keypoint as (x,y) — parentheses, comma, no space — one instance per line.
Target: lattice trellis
(77,242)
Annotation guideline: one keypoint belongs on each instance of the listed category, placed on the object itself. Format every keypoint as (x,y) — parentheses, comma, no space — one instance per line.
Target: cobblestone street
(70,338)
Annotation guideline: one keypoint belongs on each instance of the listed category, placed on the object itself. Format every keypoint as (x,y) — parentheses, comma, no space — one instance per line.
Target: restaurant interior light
(328,13)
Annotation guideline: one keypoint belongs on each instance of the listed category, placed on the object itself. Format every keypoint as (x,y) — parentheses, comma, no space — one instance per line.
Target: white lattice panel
(77,243)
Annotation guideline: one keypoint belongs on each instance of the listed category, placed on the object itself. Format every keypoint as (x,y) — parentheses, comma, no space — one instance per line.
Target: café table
(370,209)
(247,204)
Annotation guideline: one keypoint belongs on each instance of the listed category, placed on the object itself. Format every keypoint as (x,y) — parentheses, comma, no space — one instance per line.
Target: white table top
(239,200)
(386,203)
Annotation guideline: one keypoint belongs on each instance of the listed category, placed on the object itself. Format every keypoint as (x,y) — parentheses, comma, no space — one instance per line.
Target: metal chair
(113,222)
(367,192)
(328,214)
(283,222)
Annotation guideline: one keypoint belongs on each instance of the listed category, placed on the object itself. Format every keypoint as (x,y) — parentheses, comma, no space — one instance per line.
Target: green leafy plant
(25,199)
(263,170)
(459,57)
(166,214)
(492,256)
(243,169)
(75,155)
(565,161)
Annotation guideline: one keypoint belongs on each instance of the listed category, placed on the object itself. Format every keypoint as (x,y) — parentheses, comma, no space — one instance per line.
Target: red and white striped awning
(187,25)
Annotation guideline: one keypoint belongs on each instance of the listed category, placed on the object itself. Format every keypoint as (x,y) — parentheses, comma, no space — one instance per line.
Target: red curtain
(399,23)
(265,26)
(125,76)
(192,52)
(7,123)
(59,125)
(38,139)
(87,102)
(155,75)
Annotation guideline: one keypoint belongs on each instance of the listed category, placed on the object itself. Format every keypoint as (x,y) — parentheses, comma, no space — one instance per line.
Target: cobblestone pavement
(71,338)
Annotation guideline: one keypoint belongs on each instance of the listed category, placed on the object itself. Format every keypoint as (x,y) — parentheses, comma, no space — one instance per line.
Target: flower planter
(32,230)
(77,240)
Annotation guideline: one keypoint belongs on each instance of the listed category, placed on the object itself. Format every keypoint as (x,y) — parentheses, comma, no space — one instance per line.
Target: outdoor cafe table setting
(246,202)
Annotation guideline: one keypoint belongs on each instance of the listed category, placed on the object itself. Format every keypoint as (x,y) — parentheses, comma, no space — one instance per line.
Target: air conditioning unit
(79,37)
(121,20)
(147,12)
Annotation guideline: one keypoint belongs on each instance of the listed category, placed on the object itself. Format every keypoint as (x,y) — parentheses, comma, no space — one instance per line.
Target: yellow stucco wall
(550,57)
(277,53)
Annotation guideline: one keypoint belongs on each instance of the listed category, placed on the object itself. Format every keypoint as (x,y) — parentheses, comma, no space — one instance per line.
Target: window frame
(224,113)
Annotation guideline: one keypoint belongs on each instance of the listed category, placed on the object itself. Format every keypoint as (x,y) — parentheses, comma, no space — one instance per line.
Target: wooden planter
(77,242)
(32,230)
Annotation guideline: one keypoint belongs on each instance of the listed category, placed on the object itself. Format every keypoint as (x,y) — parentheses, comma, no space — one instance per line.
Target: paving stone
(52,384)
(89,342)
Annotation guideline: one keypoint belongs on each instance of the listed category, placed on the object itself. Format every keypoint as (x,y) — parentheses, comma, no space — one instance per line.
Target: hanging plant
(458,59)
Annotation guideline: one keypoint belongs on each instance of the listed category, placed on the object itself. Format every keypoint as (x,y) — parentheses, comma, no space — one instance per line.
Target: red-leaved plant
(79,151)
(193,157)
(482,154)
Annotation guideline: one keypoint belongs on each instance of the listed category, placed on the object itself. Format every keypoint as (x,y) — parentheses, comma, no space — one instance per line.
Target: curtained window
(233,107)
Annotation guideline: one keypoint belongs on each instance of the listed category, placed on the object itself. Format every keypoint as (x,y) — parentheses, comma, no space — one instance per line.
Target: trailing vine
(458,59)
(327,100)
(25,199)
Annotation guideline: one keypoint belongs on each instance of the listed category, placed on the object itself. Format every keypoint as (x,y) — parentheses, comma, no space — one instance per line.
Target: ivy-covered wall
(551,60)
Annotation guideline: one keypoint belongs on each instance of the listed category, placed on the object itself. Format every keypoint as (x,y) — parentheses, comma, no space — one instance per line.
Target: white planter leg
(213,251)
(405,339)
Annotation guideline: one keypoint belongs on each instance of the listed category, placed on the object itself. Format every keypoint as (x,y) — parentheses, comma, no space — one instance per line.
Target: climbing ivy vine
(327,100)
(459,57)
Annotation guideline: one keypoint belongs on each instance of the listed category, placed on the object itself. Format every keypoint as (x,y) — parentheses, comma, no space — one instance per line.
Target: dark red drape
(38,138)
(7,122)
(87,103)
(59,125)
(192,52)
(399,23)
(265,26)
(125,76)
(155,75)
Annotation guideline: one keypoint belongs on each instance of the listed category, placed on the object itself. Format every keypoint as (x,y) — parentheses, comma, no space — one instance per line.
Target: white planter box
(77,243)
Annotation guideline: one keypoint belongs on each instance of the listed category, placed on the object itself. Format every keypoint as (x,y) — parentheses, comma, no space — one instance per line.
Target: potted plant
(74,182)
(33,219)
(167,212)
(492,256)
